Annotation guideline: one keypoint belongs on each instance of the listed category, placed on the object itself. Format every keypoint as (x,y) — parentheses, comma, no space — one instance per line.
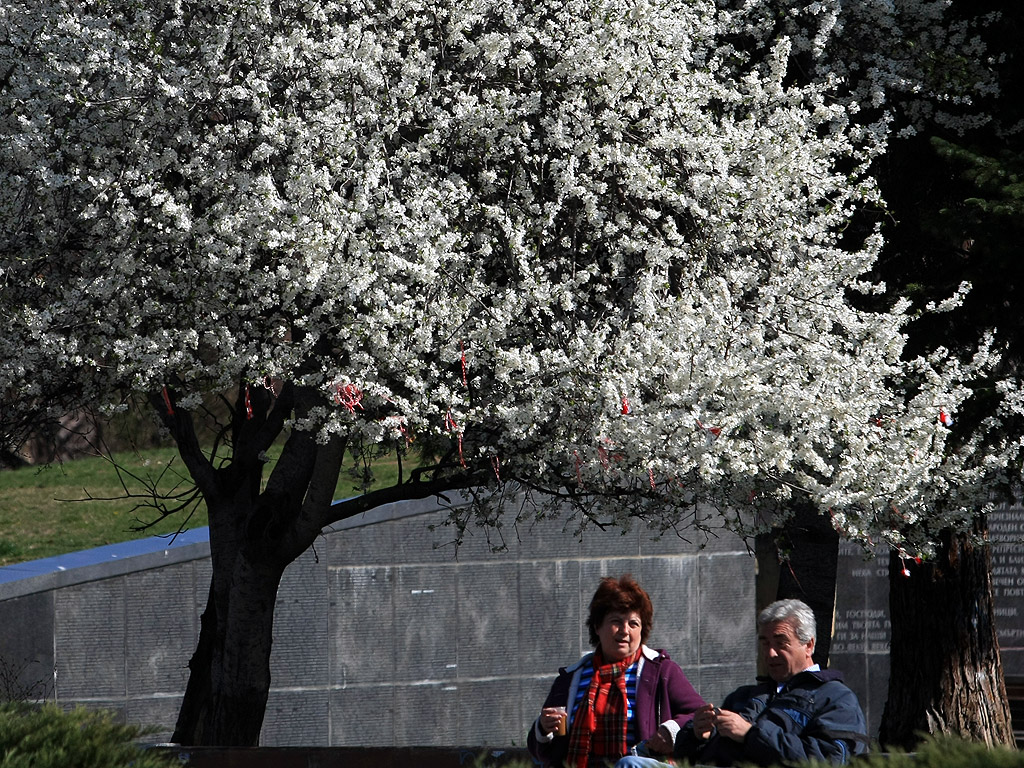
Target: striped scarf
(600,727)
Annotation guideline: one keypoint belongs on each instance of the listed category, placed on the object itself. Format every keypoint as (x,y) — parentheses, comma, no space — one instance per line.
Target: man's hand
(731,725)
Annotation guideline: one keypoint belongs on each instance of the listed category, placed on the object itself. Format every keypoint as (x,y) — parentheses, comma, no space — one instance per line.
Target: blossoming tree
(951,71)
(961,219)
(594,252)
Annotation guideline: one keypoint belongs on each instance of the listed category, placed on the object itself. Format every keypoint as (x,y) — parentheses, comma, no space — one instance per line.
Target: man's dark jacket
(814,717)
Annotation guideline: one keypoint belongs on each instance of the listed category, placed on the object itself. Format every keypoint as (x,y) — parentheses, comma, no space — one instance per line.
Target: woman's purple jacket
(662,693)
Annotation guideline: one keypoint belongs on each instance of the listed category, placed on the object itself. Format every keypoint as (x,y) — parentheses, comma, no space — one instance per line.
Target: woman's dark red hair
(624,595)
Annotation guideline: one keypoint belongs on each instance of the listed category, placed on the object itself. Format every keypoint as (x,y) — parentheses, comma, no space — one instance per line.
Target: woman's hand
(550,718)
(704,722)
(661,743)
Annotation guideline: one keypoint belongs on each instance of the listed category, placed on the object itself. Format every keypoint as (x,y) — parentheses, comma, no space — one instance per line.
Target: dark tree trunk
(229,679)
(806,550)
(255,532)
(241,672)
(192,716)
(946,675)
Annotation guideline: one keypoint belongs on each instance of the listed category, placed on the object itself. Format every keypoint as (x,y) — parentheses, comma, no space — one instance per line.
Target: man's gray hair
(795,611)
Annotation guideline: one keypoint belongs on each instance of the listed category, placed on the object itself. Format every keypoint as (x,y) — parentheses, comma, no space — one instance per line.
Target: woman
(621,696)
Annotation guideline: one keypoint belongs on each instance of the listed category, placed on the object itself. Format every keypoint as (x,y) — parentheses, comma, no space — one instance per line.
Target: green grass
(80,504)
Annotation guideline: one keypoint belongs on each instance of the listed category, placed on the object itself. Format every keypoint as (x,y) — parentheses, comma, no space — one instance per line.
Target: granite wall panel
(487,543)
(361,545)
(715,682)
(301,632)
(423,539)
(550,614)
(361,625)
(427,714)
(426,623)
(726,614)
(89,641)
(548,539)
(860,639)
(362,716)
(159,630)
(26,646)
(1006,531)
(680,542)
(488,639)
(488,711)
(158,713)
(297,716)
(202,575)
(596,543)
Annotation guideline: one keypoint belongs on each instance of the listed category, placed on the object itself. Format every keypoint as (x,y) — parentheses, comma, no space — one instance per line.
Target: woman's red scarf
(600,726)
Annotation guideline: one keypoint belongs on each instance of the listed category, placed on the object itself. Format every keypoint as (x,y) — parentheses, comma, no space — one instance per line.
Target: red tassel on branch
(167,401)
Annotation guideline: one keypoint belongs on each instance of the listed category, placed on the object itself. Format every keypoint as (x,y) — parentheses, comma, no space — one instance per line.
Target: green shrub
(947,752)
(48,737)
(935,752)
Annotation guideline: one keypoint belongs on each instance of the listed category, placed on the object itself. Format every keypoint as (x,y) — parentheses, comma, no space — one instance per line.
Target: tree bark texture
(229,673)
(946,676)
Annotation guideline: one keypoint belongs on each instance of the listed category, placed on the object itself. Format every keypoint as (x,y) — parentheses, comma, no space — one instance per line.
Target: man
(802,713)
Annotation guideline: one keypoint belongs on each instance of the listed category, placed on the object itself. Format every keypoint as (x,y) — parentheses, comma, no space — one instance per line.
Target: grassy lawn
(80,504)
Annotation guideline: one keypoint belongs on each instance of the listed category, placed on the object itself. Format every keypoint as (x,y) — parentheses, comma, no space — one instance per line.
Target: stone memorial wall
(1006,532)
(860,644)
(382,617)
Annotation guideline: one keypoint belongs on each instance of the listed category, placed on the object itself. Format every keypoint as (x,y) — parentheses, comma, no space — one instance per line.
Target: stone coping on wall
(102,562)
(111,560)
(400,509)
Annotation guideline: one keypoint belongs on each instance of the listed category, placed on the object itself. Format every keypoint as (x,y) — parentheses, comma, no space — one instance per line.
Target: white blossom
(579,204)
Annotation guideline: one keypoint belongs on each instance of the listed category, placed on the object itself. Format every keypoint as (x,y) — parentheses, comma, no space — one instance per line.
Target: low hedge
(933,752)
(49,737)
(946,752)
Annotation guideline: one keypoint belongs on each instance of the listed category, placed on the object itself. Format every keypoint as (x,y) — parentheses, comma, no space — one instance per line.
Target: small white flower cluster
(596,243)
